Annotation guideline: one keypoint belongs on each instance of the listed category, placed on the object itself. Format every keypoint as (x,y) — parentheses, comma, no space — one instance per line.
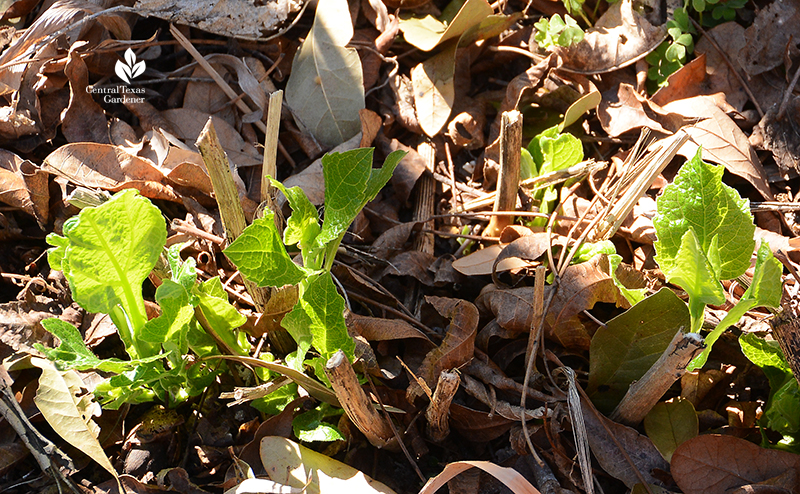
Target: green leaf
(326,87)
(221,318)
(275,402)
(55,255)
(176,316)
(698,199)
(670,424)
(68,415)
(319,311)
(764,291)
(350,183)
(632,295)
(309,426)
(73,354)
(183,272)
(624,350)
(112,248)
(782,412)
(261,257)
(303,225)
(427,32)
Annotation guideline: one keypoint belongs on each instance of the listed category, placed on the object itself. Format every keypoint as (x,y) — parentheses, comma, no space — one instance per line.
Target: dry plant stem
(477,390)
(508,179)
(552,178)
(229,92)
(355,402)
(787,94)
(230,208)
(730,66)
(401,315)
(46,454)
(588,404)
(458,185)
(185,227)
(545,480)
(244,394)
(439,408)
(270,167)
(645,393)
(425,197)
(534,337)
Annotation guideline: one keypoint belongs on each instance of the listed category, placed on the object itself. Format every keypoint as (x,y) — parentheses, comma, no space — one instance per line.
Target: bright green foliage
(782,412)
(260,256)
(106,253)
(726,11)
(317,319)
(73,354)
(557,31)
(310,426)
(671,55)
(671,423)
(705,234)
(660,67)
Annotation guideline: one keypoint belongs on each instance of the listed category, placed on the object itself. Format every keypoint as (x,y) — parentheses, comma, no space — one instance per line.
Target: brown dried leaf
(619,38)
(772,38)
(582,285)
(482,262)
(408,171)
(108,167)
(722,140)
(476,425)
(683,83)
(527,248)
(83,120)
(778,135)
(379,329)
(623,109)
(12,186)
(711,464)
(412,263)
(458,345)
(391,242)
(639,448)
(719,76)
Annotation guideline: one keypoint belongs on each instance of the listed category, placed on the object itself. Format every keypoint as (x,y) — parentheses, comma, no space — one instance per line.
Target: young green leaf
(698,199)
(73,354)
(319,311)
(176,315)
(303,225)
(764,291)
(350,183)
(183,272)
(111,250)
(692,271)
(261,257)
(220,317)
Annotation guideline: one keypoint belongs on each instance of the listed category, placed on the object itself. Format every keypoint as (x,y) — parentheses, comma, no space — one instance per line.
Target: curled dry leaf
(294,465)
(485,261)
(619,38)
(646,458)
(83,120)
(714,464)
(458,345)
(623,109)
(13,190)
(379,329)
(508,476)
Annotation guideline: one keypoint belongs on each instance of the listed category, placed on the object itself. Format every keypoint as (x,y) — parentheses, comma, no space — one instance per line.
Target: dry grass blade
(509,477)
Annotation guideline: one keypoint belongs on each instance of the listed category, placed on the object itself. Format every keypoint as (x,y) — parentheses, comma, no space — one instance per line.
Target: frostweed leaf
(176,315)
(183,272)
(670,424)
(693,272)
(55,254)
(303,225)
(326,88)
(320,311)
(350,183)
(698,199)
(221,316)
(261,257)
(764,291)
(562,152)
(623,351)
(59,406)
(73,353)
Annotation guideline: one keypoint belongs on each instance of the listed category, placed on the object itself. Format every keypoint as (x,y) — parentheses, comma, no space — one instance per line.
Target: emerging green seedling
(705,234)
(557,31)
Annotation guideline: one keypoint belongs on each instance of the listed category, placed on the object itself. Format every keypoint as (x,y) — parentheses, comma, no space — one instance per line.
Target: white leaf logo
(129,69)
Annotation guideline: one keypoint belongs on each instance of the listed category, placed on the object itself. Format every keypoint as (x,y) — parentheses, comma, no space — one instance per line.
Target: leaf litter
(95,103)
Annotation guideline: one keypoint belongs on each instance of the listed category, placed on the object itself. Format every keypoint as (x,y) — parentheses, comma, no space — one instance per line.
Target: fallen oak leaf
(716,464)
